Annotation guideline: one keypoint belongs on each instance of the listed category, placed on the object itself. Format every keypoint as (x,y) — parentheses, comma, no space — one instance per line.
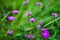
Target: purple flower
(45,33)
(15,11)
(54,15)
(10,32)
(38,3)
(24,3)
(32,19)
(29,13)
(30,36)
(38,26)
(11,18)
(41,22)
(43,29)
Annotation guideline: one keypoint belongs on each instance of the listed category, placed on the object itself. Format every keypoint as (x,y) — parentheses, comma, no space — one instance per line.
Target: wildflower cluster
(32,25)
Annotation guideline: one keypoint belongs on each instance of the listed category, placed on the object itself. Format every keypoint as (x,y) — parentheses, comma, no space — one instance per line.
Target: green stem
(15,36)
(51,22)
(4,17)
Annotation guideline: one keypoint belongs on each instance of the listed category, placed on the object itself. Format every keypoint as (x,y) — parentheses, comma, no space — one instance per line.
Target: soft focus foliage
(20,25)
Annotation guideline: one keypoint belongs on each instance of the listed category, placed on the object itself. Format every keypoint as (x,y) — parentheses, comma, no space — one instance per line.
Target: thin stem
(51,22)
(4,17)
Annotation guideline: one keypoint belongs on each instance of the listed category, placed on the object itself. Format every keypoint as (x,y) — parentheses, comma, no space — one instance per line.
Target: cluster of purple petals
(10,32)
(30,36)
(45,33)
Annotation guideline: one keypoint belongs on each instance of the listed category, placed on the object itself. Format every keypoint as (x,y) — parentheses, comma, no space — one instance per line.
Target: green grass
(21,22)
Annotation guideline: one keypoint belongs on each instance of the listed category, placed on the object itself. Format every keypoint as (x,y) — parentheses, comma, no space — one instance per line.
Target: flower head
(41,22)
(24,3)
(10,32)
(43,29)
(38,3)
(38,26)
(15,11)
(32,19)
(54,15)
(45,33)
(30,36)
(11,18)
(29,13)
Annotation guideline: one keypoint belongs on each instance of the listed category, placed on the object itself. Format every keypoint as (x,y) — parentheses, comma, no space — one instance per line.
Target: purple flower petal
(29,13)
(41,22)
(38,26)
(54,15)
(38,3)
(15,11)
(10,32)
(43,29)
(11,18)
(24,3)
(45,34)
(32,20)
(30,36)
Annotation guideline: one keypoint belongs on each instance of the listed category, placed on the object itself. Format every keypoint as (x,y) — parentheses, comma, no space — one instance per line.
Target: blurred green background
(43,12)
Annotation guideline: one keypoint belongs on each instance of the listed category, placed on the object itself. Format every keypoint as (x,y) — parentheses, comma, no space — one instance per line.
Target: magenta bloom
(24,3)
(32,19)
(29,13)
(38,26)
(41,22)
(11,18)
(45,33)
(38,3)
(54,15)
(30,36)
(10,32)
(43,29)
(15,11)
